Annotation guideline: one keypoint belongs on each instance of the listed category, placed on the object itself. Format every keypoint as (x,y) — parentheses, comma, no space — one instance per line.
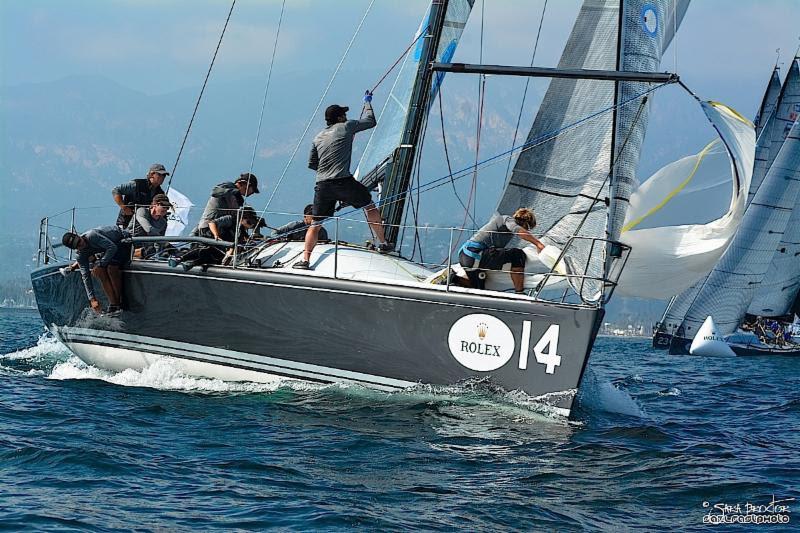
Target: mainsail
(730,287)
(386,136)
(780,285)
(768,102)
(774,130)
(568,179)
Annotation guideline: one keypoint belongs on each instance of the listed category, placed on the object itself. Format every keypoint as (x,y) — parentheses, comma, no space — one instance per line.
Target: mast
(397,182)
(611,249)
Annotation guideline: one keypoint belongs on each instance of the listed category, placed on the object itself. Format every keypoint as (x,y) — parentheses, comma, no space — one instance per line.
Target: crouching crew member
(488,248)
(296,231)
(150,221)
(138,192)
(222,228)
(106,242)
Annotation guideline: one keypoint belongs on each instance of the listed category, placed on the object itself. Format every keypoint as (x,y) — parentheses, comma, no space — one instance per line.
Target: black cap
(250,179)
(162,200)
(71,240)
(333,112)
(159,168)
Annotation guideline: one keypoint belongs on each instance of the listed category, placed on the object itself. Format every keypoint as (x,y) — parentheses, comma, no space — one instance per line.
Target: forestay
(387,134)
(678,255)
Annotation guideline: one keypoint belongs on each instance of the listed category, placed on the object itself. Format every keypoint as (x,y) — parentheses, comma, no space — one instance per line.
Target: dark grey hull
(330,330)
(661,340)
(756,350)
(679,345)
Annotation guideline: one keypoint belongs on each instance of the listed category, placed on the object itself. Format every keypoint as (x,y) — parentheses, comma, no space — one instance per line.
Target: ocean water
(657,441)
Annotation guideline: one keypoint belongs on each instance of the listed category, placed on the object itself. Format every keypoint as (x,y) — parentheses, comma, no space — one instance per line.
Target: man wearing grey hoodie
(226,198)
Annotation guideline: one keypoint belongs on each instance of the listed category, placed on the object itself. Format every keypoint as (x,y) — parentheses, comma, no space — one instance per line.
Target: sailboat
(381,320)
(729,290)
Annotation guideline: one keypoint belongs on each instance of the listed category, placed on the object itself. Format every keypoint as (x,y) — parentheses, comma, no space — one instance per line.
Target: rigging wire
(545,137)
(481,95)
(266,91)
(400,57)
(200,96)
(447,157)
(316,109)
(525,92)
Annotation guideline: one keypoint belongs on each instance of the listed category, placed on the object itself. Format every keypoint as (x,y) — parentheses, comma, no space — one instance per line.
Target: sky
(725,47)
(724,51)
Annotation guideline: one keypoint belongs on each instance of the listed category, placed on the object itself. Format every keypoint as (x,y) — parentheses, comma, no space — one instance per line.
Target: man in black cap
(105,241)
(226,198)
(150,221)
(138,192)
(330,158)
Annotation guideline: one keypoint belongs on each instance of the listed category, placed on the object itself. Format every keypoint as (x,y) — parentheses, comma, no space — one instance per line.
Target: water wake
(597,395)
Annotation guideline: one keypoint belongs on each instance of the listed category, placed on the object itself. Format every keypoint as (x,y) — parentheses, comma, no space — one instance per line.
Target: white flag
(179,217)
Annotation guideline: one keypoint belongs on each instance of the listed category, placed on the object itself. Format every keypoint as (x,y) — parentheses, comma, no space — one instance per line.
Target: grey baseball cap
(158,167)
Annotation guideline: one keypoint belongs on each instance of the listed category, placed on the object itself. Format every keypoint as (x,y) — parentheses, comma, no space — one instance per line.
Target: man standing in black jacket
(138,192)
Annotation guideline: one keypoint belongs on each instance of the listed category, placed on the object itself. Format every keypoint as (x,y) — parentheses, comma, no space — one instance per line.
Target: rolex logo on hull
(481,342)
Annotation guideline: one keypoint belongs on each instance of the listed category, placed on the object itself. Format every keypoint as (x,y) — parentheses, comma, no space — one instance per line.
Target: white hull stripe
(245,360)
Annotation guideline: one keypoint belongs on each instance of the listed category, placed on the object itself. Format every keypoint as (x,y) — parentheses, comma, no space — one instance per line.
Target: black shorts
(345,190)
(122,257)
(495,258)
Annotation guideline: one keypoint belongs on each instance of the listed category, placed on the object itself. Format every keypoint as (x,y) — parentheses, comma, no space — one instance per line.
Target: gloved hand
(64,271)
(367,97)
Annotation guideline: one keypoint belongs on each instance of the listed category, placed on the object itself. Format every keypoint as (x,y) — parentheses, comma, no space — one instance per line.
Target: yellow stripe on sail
(633,223)
(731,111)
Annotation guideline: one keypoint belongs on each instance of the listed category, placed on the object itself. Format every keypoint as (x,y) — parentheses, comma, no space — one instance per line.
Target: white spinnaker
(730,287)
(778,289)
(668,259)
(387,135)
(179,217)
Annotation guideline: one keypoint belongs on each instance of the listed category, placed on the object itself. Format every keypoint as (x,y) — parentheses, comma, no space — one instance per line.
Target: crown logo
(482,330)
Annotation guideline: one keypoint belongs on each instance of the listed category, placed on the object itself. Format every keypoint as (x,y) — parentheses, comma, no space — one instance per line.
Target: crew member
(296,231)
(138,192)
(106,242)
(226,198)
(330,156)
(150,221)
(488,248)
(222,228)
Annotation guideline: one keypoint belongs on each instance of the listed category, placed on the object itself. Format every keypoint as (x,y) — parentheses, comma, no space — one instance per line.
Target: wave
(165,374)
(597,395)
(47,348)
